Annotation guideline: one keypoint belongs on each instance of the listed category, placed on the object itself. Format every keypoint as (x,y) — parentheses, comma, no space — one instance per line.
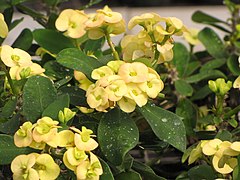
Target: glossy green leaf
(233,65)
(181,58)
(4,5)
(8,109)
(201,17)
(206,75)
(128,175)
(183,87)
(212,43)
(49,40)
(11,125)
(224,135)
(8,150)
(75,59)
(107,173)
(24,40)
(38,93)
(201,172)
(77,95)
(93,45)
(166,125)
(59,104)
(236,171)
(117,134)
(213,64)
(145,171)
(188,112)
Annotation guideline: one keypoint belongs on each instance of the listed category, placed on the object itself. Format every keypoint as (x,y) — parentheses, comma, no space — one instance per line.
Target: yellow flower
(89,170)
(154,84)
(22,168)
(19,72)
(94,20)
(72,22)
(3,27)
(15,57)
(126,104)
(146,20)
(73,157)
(211,147)
(224,166)
(174,26)
(85,110)
(45,130)
(66,138)
(196,153)
(114,65)
(46,167)
(166,52)
(82,79)
(135,72)
(65,115)
(96,97)
(116,90)
(236,83)
(83,140)
(109,15)
(23,137)
(101,72)
(37,145)
(191,36)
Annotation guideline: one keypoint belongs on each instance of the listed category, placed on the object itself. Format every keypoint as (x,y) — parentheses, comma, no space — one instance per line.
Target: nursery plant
(75,105)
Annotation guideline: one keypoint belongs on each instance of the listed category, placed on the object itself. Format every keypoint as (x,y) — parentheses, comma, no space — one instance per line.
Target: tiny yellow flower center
(21,132)
(133,73)
(79,154)
(135,92)
(43,129)
(102,74)
(149,84)
(15,58)
(72,25)
(40,167)
(98,98)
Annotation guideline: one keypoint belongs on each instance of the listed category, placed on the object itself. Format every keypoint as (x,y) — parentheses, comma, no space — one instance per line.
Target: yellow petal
(3,27)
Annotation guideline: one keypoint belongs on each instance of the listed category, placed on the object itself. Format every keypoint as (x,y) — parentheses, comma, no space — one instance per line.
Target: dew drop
(164,120)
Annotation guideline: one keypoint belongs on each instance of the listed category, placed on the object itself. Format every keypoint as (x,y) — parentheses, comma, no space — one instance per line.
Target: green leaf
(15,2)
(187,111)
(8,109)
(201,17)
(75,59)
(166,125)
(212,43)
(236,171)
(146,172)
(24,40)
(117,134)
(59,104)
(183,87)
(224,135)
(15,23)
(213,64)
(38,93)
(93,45)
(181,58)
(49,40)
(201,172)
(128,175)
(145,61)
(201,93)
(107,173)
(233,65)
(51,2)
(192,67)
(4,5)
(211,74)
(10,126)
(8,150)
(77,95)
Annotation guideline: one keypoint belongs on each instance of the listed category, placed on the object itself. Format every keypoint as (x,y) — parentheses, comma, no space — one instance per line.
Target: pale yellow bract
(3,27)
(23,137)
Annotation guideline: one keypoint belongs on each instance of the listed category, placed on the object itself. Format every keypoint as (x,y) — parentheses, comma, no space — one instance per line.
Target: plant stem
(219,105)
(232,112)
(9,79)
(111,45)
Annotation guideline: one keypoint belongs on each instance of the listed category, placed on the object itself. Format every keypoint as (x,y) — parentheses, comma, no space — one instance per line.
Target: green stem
(9,79)
(232,112)
(219,105)
(111,45)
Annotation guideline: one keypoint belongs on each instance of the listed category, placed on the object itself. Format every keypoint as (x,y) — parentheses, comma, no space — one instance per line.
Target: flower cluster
(20,63)
(223,154)
(45,134)
(127,84)
(153,39)
(75,23)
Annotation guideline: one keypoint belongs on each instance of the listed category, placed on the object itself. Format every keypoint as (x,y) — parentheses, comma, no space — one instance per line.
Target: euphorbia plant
(73,110)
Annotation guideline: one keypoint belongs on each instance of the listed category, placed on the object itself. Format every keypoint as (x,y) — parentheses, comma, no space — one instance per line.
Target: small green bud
(25,72)
(61,117)
(68,114)
(212,86)
(220,86)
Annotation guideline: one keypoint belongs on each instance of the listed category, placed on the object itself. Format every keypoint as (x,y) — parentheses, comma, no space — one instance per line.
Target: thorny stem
(111,45)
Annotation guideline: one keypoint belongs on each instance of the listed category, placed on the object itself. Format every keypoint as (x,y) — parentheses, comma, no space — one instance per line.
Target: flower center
(15,58)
